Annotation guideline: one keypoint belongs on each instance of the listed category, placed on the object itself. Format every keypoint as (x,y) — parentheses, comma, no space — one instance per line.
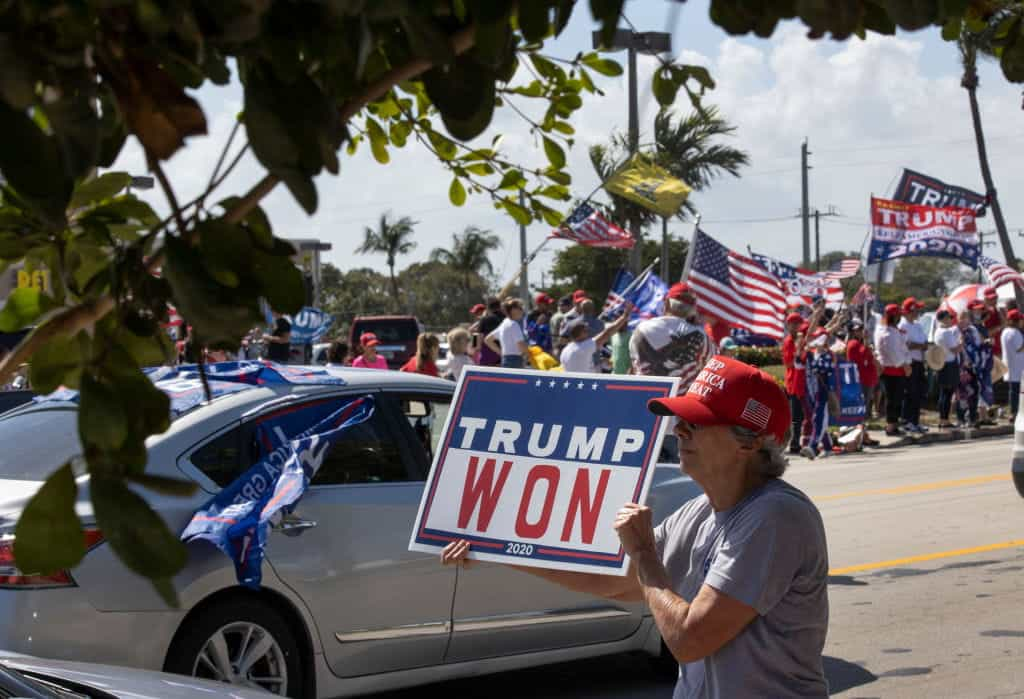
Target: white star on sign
(552,384)
(594,386)
(565,385)
(539,382)
(579,385)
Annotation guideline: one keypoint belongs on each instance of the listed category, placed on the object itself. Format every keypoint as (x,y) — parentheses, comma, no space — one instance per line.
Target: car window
(389,331)
(225,457)
(426,415)
(365,453)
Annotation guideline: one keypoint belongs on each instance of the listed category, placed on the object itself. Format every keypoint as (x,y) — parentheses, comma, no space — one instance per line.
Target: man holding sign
(736,579)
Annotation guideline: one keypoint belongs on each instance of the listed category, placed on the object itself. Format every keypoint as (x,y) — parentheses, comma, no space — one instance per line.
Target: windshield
(389,331)
(35,443)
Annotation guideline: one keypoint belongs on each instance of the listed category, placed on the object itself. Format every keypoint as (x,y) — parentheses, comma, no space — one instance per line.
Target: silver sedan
(344,607)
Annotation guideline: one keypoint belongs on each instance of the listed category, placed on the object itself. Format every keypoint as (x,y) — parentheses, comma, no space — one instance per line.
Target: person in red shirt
(793,355)
(858,352)
(425,359)
(993,320)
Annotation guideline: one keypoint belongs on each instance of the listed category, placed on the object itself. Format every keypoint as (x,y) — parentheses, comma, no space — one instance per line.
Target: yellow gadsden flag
(650,186)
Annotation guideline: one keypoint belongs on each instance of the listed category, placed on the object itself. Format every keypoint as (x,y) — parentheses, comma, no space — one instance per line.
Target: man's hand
(635,529)
(455,554)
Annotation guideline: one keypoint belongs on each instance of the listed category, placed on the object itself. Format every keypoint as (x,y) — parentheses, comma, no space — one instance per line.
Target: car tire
(237,625)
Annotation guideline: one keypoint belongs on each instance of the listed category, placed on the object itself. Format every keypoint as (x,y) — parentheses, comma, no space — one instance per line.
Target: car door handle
(293,526)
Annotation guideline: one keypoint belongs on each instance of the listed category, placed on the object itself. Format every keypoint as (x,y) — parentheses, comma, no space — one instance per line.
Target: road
(926,546)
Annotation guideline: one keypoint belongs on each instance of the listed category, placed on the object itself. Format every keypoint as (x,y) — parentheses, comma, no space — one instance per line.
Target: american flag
(735,289)
(865,294)
(843,269)
(802,286)
(587,226)
(756,413)
(999,273)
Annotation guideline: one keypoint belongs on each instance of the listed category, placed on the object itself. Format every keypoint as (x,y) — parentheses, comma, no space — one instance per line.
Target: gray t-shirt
(769,552)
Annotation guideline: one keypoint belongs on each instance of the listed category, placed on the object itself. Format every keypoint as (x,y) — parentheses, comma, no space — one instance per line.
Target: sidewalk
(935,435)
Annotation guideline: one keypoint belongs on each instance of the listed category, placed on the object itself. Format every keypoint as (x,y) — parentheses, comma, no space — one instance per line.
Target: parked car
(397,336)
(344,607)
(27,677)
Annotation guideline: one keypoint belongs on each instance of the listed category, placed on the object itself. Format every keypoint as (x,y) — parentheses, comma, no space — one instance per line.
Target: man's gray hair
(772,455)
(680,308)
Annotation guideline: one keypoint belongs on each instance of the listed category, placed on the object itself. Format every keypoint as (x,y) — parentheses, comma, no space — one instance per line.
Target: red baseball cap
(543,299)
(729,392)
(681,291)
(819,331)
(578,295)
(804,326)
(794,318)
(911,304)
(975,304)
(990,292)
(1014,314)
(368,340)
(479,308)
(892,310)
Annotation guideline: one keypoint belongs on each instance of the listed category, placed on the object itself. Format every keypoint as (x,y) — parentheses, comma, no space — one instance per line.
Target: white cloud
(867,108)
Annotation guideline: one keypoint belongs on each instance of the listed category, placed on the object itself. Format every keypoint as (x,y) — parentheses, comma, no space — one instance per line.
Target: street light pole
(650,43)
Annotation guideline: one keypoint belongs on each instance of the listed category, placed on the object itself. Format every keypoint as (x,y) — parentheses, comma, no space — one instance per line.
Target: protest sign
(309,325)
(908,230)
(917,188)
(533,467)
(852,410)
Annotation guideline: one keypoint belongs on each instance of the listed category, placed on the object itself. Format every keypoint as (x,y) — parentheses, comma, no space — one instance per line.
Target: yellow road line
(926,557)
(917,488)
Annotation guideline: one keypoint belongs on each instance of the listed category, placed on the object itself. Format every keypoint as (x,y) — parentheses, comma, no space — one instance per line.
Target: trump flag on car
(532,467)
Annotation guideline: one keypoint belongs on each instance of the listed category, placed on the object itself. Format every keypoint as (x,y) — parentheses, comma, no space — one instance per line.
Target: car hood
(127,682)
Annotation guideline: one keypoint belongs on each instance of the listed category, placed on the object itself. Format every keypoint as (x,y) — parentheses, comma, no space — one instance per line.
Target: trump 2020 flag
(646,297)
(801,285)
(237,519)
(309,325)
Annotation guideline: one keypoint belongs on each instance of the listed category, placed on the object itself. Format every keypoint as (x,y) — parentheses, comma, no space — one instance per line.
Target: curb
(953,435)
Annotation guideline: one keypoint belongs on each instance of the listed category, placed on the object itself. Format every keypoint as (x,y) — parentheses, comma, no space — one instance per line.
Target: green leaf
(32,164)
(547,68)
(168,593)
(554,152)
(399,132)
(456,192)
(521,214)
(164,485)
(56,363)
(512,179)
(701,75)
(481,169)
(556,191)
(99,188)
(559,177)
(23,307)
(1012,60)
(551,216)
(607,12)
(378,141)
(534,89)
(665,87)
(137,534)
(563,127)
(48,536)
(534,21)
(951,29)
(464,92)
(446,150)
(604,66)
(101,416)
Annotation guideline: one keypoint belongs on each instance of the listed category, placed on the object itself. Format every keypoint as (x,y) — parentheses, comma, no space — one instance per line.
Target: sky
(867,108)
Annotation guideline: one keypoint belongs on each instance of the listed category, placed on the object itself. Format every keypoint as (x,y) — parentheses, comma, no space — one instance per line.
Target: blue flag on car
(852,409)
(646,297)
(237,519)
(309,325)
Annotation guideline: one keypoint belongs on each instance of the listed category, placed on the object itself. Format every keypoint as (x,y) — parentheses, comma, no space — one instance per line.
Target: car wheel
(240,642)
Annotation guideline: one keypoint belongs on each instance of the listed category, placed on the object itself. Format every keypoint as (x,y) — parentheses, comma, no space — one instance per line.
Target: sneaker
(807,453)
(921,428)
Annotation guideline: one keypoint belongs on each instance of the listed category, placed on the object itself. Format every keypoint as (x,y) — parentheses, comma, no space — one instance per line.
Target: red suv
(397,335)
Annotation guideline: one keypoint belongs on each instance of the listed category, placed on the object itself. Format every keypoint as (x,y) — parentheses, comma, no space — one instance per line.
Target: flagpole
(689,249)
(505,290)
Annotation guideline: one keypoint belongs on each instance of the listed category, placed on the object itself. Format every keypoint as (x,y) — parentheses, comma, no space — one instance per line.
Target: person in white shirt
(509,338)
(458,353)
(578,355)
(917,383)
(893,355)
(947,336)
(1013,354)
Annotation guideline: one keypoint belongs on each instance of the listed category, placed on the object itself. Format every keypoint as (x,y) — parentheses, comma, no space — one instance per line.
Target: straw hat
(935,357)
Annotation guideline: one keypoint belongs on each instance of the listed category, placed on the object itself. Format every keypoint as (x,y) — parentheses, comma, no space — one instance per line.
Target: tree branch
(154,167)
(462,41)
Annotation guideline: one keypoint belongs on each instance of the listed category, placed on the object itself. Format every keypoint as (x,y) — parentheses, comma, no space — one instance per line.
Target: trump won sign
(532,467)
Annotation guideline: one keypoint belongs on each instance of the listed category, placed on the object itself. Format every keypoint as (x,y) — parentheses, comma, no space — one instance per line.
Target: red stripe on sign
(577,554)
(477,542)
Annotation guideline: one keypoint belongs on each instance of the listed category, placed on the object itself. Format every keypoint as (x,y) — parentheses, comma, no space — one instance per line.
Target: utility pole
(664,248)
(524,282)
(651,43)
(817,234)
(804,209)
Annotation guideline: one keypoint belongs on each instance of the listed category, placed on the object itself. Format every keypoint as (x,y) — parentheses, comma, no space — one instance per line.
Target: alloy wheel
(245,654)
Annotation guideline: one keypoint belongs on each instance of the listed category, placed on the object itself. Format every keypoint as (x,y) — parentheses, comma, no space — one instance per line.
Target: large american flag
(735,289)
(842,269)
(999,273)
(587,226)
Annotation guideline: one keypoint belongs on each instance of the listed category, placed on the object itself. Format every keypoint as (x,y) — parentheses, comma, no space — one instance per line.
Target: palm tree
(688,148)
(469,254)
(392,239)
(973,45)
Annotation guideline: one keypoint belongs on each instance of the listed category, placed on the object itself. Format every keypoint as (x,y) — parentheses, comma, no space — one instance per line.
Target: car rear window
(36,443)
(389,330)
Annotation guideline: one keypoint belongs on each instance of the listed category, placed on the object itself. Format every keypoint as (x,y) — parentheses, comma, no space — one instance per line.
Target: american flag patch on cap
(756,413)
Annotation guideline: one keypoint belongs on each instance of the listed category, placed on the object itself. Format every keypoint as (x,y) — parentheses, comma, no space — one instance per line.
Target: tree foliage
(392,238)
(469,255)
(320,80)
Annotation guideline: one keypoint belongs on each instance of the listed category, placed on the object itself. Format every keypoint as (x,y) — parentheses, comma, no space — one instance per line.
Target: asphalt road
(926,546)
